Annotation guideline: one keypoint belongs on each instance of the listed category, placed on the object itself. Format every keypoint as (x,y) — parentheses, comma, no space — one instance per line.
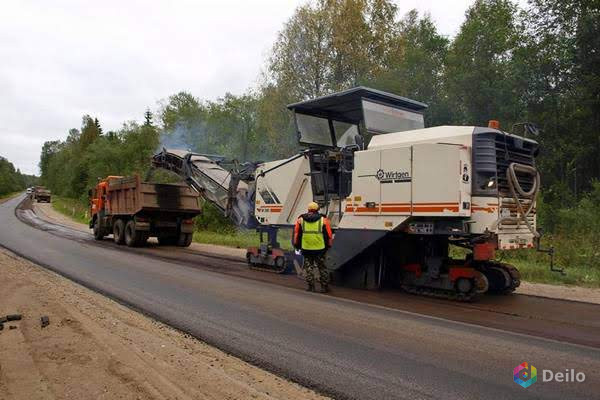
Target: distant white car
(29,191)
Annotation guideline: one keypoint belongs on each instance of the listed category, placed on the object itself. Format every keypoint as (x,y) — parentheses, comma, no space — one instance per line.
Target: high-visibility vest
(312,235)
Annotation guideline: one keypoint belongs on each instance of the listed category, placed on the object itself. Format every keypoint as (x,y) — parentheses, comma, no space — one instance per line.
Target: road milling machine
(398,194)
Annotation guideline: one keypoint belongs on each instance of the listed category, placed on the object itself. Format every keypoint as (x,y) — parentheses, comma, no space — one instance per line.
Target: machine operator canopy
(334,120)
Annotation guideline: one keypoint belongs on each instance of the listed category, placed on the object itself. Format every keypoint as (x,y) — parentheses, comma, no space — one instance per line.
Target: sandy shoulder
(95,348)
(47,213)
(574,293)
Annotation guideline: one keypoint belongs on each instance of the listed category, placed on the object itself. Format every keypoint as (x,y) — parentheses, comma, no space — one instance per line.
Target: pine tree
(98,127)
(148,117)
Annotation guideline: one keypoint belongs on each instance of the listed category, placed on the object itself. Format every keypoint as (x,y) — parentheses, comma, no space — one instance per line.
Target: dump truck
(398,194)
(41,194)
(132,211)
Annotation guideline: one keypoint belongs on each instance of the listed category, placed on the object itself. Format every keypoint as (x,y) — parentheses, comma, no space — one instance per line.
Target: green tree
(274,123)
(301,55)
(417,71)
(563,66)
(479,75)
(332,44)
(90,131)
(11,179)
(182,118)
(234,119)
(49,150)
(181,108)
(148,118)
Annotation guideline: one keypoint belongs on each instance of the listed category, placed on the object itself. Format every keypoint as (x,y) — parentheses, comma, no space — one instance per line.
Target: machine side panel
(395,180)
(366,193)
(466,177)
(437,185)
(485,213)
(283,193)
(380,182)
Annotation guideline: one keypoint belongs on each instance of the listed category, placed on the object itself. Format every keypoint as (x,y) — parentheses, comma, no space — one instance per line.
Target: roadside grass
(8,196)
(240,239)
(579,258)
(532,271)
(579,255)
(72,208)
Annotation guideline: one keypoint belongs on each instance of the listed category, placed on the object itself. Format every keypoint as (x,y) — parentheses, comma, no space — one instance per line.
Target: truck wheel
(118,231)
(132,237)
(185,239)
(98,233)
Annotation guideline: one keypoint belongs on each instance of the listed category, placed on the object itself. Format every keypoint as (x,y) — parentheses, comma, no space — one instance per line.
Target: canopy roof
(347,105)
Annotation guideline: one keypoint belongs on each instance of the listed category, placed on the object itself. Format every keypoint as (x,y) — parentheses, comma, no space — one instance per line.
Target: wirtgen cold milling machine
(397,194)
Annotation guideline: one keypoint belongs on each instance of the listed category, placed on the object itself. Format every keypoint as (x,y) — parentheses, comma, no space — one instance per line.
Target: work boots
(311,287)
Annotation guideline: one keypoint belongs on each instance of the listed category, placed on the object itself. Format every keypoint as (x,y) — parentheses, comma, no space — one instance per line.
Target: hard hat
(312,206)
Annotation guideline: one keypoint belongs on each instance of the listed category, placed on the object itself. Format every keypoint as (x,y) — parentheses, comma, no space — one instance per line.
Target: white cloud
(112,59)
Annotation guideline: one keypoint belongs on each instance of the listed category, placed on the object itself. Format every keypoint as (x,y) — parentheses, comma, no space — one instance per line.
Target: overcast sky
(112,59)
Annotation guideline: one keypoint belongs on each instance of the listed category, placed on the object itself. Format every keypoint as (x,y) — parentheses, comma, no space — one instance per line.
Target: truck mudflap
(187,226)
(142,225)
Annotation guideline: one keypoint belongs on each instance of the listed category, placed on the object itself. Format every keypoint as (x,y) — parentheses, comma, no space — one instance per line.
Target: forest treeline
(539,64)
(71,167)
(12,180)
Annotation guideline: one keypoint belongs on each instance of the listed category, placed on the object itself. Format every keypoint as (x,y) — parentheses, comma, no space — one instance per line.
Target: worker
(312,235)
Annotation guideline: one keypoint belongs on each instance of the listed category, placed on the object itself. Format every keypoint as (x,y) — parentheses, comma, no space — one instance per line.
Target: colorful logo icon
(524,375)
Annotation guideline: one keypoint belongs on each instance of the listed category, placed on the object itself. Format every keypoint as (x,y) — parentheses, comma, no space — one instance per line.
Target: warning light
(494,124)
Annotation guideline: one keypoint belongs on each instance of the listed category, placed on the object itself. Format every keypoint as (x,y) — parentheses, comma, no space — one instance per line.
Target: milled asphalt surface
(342,348)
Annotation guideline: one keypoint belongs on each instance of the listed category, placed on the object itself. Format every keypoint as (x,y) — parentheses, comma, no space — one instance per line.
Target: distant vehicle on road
(41,194)
(133,211)
(29,190)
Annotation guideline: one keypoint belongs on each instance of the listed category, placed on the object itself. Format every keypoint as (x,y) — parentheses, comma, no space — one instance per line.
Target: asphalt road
(340,347)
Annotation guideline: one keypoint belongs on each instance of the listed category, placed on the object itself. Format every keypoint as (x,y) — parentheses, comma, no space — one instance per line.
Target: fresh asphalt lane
(342,348)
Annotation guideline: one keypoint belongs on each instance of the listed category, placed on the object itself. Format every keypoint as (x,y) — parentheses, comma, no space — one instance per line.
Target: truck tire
(119,231)
(185,239)
(98,233)
(133,238)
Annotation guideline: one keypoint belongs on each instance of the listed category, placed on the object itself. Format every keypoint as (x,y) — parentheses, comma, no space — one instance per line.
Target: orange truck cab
(98,195)
(132,211)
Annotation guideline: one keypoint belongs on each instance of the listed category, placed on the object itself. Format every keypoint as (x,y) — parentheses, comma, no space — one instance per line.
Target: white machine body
(400,176)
